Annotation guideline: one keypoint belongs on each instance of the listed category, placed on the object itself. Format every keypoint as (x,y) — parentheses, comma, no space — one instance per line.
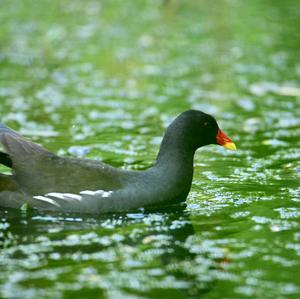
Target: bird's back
(38,171)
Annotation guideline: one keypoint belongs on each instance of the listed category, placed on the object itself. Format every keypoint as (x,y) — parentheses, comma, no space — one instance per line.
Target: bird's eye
(207,125)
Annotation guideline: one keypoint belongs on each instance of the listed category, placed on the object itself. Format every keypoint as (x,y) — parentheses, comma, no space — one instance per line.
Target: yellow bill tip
(230,146)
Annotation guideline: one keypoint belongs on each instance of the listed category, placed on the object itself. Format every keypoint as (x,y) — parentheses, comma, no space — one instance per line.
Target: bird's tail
(10,194)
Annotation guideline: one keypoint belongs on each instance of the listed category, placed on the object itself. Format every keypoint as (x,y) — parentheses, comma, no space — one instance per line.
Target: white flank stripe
(46,200)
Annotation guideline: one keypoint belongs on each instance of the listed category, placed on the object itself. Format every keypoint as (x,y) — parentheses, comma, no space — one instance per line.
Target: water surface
(103,79)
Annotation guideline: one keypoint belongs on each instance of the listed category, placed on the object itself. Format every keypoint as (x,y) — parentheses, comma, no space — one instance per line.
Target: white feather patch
(46,200)
(102,193)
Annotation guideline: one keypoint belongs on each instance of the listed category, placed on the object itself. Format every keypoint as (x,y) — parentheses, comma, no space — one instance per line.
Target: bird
(48,182)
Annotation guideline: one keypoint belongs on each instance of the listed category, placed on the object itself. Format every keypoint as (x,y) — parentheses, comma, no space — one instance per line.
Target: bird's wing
(29,160)
(38,171)
(17,147)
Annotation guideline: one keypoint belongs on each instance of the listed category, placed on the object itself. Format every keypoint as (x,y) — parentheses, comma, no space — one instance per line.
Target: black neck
(175,165)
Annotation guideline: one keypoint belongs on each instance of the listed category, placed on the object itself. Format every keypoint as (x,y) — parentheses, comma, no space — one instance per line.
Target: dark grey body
(37,172)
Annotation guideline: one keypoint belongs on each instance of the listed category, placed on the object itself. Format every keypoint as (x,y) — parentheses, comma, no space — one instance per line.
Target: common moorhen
(49,182)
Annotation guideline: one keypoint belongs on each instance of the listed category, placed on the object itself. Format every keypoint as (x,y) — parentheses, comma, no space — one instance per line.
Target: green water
(103,79)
